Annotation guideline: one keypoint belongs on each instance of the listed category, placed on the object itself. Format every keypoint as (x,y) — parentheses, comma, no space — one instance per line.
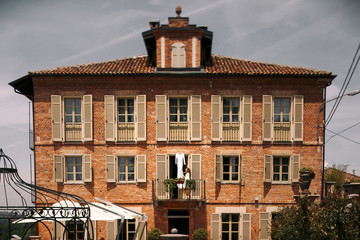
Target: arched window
(178,55)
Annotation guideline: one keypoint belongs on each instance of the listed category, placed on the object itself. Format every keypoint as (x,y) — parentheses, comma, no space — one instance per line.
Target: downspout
(323,149)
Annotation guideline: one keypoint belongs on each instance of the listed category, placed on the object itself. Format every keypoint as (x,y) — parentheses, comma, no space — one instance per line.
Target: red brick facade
(217,195)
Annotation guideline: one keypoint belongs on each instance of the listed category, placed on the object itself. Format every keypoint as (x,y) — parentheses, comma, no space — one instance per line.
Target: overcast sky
(42,34)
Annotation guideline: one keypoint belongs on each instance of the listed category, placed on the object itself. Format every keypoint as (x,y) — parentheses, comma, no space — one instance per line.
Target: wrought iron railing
(160,192)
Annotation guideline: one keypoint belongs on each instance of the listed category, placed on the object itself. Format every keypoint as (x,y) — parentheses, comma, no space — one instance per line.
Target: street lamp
(353,93)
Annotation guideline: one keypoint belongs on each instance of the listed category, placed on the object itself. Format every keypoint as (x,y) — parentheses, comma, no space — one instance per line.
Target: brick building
(112,130)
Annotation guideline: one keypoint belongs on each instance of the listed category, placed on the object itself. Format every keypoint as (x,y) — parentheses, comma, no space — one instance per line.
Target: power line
(342,136)
(342,131)
(347,80)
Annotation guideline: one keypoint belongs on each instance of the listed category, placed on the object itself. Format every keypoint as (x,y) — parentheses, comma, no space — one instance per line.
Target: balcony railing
(178,131)
(160,193)
(231,132)
(126,132)
(73,132)
(282,132)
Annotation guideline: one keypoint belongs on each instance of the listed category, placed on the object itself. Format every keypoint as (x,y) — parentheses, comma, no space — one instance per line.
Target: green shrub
(200,234)
(154,234)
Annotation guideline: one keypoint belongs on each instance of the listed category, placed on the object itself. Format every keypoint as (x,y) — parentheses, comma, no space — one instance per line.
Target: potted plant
(306,175)
(200,234)
(190,184)
(170,185)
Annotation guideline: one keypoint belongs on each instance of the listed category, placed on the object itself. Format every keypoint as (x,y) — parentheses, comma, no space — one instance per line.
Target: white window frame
(126,168)
(188,120)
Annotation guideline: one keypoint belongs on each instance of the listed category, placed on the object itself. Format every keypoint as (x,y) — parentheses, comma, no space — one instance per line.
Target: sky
(43,34)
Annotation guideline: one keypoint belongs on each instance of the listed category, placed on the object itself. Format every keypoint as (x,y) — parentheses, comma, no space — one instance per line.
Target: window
(125,169)
(282,169)
(130,229)
(73,122)
(125,118)
(178,124)
(72,169)
(230,226)
(76,230)
(228,168)
(178,55)
(282,118)
(178,118)
(231,118)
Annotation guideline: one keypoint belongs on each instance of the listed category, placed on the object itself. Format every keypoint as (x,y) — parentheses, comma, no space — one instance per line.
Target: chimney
(154,23)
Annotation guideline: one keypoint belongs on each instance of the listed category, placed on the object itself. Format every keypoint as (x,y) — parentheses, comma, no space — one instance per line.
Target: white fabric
(180,162)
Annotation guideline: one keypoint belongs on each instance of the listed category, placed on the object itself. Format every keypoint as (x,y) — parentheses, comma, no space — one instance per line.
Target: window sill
(280,183)
(125,183)
(73,183)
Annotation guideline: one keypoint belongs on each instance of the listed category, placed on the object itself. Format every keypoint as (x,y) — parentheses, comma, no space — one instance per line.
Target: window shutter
(268,168)
(141,226)
(161,118)
(216,118)
(215,226)
(174,56)
(246,226)
(196,118)
(56,118)
(110,122)
(161,174)
(58,230)
(246,133)
(295,166)
(110,168)
(298,118)
(218,168)
(141,118)
(196,175)
(141,168)
(87,123)
(267,118)
(58,168)
(182,56)
(264,231)
(111,229)
(91,230)
(87,170)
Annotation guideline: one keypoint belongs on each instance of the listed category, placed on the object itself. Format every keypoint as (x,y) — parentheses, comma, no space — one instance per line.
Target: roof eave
(24,86)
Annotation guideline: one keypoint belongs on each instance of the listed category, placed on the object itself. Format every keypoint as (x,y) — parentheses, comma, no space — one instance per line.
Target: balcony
(161,193)
(73,132)
(126,132)
(231,132)
(178,132)
(282,132)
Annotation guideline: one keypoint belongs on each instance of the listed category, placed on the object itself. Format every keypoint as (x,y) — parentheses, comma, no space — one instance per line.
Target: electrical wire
(342,136)
(342,131)
(347,80)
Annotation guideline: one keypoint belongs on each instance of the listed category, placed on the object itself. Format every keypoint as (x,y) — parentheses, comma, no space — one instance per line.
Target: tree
(338,219)
(337,174)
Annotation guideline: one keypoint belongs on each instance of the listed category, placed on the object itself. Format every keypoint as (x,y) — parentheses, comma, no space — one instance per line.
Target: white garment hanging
(180,162)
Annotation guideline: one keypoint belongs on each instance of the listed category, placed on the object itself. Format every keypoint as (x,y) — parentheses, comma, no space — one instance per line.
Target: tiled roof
(219,65)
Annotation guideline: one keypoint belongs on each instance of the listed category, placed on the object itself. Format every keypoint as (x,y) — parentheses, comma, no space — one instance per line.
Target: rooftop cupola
(178,45)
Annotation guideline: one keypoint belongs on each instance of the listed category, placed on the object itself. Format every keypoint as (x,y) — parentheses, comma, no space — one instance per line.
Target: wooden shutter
(218,168)
(216,118)
(142,229)
(267,118)
(246,226)
(141,117)
(110,122)
(87,170)
(111,229)
(182,56)
(295,167)
(215,226)
(91,230)
(196,175)
(298,118)
(196,118)
(110,168)
(268,168)
(161,175)
(161,118)
(58,230)
(58,168)
(87,121)
(56,118)
(141,168)
(246,123)
(264,229)
(174,56)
